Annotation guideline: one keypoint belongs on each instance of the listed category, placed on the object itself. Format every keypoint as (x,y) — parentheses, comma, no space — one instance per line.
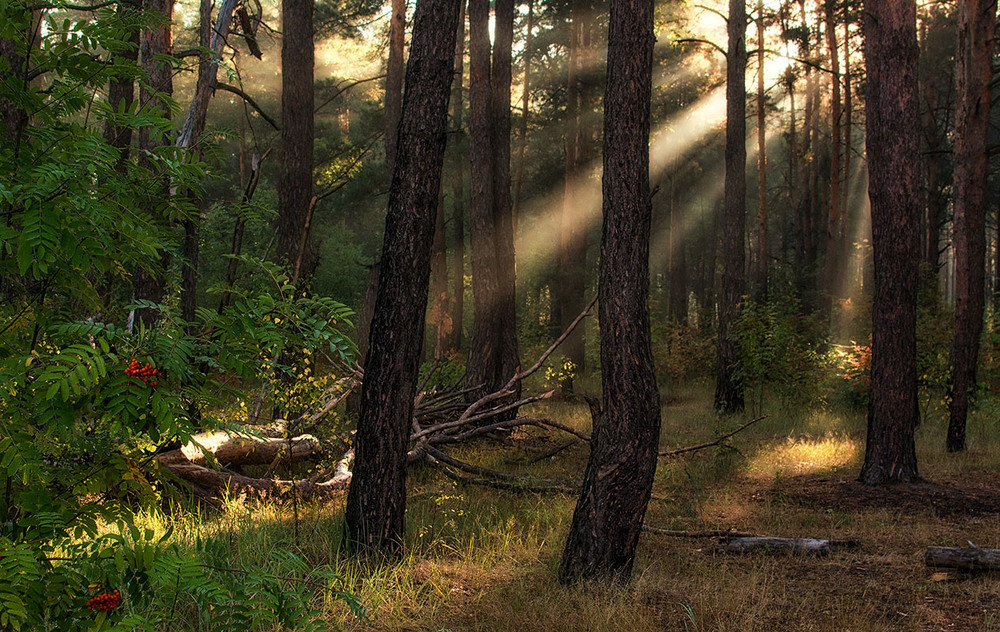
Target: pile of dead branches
(212,463)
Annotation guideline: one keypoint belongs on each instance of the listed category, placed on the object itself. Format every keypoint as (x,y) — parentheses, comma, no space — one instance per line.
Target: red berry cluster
(105,601)
(146,372)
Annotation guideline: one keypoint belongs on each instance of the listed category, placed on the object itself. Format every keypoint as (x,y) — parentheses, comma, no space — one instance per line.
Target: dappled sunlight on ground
(805,455)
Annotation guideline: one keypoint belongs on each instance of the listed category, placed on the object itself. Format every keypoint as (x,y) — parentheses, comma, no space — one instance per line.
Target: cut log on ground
(972,558)
(793,546)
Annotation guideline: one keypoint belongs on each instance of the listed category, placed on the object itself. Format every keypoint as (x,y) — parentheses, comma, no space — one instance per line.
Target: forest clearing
(484,559)
(499,315)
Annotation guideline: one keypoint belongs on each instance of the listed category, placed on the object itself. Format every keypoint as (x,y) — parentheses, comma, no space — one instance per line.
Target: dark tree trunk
(154,42)
(619,476)
(760,270)
(458,188)
(973,72)
(893,165)
(13,119)
(572,265)
(440,317)
(493,350)
(728,385)
(525,108)
(834,220)
(678,261)
(394,79)
(376,502)
(295,247)
(121,90)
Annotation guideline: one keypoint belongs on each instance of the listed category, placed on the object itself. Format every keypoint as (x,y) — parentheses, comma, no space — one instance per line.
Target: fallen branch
(718,441)
(794,546)
(514,487)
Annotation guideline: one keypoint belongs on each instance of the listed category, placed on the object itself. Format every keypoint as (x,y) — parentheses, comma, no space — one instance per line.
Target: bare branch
(702,446)
(246,97)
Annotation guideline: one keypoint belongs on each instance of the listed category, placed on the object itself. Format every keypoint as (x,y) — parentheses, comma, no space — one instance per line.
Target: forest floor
(481,559)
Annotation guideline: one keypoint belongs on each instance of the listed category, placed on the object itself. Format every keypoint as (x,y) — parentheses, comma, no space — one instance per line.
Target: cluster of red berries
(105,601)
(145,372)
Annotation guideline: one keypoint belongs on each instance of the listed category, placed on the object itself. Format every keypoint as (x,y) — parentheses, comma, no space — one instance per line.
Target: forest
(491,315)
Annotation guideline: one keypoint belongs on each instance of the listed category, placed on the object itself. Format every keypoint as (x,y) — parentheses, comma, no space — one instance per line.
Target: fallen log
(231,450)
(971,558)
(794,546)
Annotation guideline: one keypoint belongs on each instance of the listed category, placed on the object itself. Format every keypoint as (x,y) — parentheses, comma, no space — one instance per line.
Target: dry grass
(485,560)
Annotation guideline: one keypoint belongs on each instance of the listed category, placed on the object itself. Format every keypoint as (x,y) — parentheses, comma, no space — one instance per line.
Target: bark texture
(493,354)
(619,475)
(295,183)
(376,503)
(973,72)
(394,79)
(892,130)
(458,188)
(728,385)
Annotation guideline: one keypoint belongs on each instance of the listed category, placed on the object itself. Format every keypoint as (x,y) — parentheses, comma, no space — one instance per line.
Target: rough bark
(376,503)
(728,385)
(619,475)
(295,182)
(892,131)
(493,355)
(973,73)
(522,146)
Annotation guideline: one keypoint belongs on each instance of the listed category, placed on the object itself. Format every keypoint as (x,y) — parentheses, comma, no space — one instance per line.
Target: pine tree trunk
(728,385)
(760,270)
(154,42)
(834,221)
(493,349)
(376,501)
(893,165)
(121,90)
(973,72)
(619,475)
(394,79)
(458,188)
(297,100)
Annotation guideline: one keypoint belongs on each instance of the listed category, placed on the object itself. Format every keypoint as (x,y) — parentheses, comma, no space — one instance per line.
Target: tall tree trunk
(525,109)
(834,220)
(458,187)
(678,262)
(394,79)
(295,247)
(376,501)
(154,44)
(849,226)
(493,350)
(121,89)
(212,40)
(619,476)
(572,264)
(893,165)
(17,55)
(728,385)
(760,271)
(973,72)
(440,318)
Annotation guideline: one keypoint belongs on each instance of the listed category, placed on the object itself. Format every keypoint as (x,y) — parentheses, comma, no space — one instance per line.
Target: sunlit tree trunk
(834,220)
(728,385)
(295,203)
(760,270)
(525,109)
(893,166)
(394,78)
(376,501)
(493,349)
(619,475)
(973,72)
